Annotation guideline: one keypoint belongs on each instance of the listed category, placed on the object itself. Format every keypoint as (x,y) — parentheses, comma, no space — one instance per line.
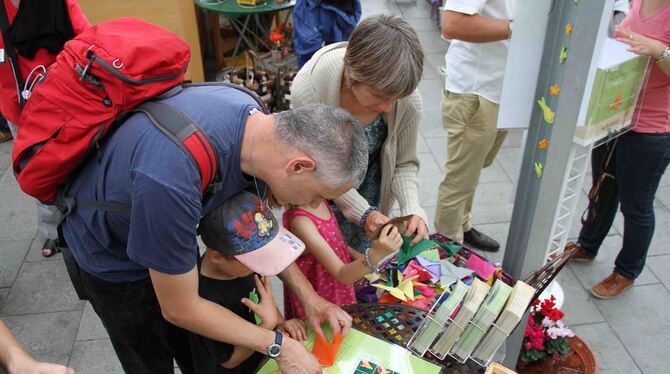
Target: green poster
(363,354)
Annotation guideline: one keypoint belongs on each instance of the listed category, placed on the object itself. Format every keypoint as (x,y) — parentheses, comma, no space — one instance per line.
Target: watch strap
(665,54)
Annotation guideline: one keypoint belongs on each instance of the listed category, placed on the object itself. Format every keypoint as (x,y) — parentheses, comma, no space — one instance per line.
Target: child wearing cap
(242,238)
(327,262)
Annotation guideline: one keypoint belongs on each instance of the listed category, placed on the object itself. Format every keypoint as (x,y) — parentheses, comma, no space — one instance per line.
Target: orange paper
(326,351)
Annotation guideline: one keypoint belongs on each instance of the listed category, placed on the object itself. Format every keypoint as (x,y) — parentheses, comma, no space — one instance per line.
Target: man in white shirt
(476,58)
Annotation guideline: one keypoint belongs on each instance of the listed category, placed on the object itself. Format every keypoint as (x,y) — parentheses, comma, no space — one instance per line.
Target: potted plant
(549,346)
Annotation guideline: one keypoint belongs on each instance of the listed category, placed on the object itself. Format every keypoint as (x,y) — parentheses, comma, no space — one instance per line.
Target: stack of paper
(432,325)
(487,313)
(509,318)
(473,300)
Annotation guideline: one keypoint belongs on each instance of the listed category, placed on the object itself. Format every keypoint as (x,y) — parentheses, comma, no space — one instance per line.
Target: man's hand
(319,310)
(374,220)
(295,328)
(295,359)
(417,226)
(266,309)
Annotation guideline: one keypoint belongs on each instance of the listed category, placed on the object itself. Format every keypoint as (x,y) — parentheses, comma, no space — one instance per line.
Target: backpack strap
(184,132)
(10,51)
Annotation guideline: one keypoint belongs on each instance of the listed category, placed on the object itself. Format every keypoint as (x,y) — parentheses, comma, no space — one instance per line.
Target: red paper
(326,351)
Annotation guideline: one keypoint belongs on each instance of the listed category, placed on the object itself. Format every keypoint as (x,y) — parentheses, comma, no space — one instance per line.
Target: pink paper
(484,269)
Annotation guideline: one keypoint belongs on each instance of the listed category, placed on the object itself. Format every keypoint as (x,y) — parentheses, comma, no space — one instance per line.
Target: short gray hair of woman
(385,54)
(332,137)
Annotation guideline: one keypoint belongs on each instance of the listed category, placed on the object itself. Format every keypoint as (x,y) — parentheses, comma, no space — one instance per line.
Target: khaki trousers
(472,144)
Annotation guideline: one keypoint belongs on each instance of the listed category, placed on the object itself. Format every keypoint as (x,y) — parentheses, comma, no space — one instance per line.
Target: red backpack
(101,75)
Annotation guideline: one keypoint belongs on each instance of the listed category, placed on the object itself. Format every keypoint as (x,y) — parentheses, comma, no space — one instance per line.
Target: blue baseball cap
(244,228)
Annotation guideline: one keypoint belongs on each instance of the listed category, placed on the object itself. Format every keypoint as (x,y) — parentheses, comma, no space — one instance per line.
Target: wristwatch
(274,350)
(664,55)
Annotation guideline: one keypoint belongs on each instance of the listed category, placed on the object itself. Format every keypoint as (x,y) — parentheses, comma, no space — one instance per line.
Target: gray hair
(385,54)
(332,137)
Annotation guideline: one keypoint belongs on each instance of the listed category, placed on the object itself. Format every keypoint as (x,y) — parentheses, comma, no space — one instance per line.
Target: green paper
(432,255)
(451,247)
(357,347)
(407,252)
(253,296)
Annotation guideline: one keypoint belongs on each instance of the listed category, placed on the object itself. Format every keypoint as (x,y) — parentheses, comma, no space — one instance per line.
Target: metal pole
(537,195)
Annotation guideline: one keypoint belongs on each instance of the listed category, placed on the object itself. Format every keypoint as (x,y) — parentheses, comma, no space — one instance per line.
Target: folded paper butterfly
(405,288)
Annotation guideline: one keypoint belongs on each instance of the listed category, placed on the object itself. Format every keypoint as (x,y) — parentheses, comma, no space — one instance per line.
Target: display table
(245,20)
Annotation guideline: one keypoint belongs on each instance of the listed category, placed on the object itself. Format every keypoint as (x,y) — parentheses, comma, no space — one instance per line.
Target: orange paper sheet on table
(326,351)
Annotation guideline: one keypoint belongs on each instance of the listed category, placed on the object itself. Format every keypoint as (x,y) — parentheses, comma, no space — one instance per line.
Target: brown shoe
(611,286)
(580,255)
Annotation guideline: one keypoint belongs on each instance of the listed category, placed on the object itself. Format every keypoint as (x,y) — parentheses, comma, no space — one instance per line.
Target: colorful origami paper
(568,29)
(538,169)
(564,55)
(432,267)
(408,252)
(403,291)
(554,90)
(543,144)
(254,298)
(451,247)
(547,113)
(451,273)
(414,269)
(431,255)
(482,267)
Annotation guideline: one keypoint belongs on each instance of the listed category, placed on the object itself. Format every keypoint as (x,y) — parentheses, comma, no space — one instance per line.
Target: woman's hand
(374,220)
(295,328)
(640,44)
(295,359)
(417,226)
(267,309)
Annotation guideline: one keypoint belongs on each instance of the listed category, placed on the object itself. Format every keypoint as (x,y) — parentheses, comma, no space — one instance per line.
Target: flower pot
(276,55)
(580,359)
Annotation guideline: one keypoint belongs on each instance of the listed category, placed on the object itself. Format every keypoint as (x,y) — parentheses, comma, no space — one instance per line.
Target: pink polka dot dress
(324,284)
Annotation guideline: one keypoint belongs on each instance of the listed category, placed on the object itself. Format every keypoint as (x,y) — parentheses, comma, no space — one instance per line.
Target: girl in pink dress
(327,261)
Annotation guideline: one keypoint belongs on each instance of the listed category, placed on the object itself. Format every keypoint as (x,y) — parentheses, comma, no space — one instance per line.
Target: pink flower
(556,356)
(527,346)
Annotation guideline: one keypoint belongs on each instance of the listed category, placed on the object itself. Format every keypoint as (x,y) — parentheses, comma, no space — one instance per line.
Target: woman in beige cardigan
(374,76)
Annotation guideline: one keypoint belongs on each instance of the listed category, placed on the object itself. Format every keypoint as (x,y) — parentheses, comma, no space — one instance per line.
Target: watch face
(273,350)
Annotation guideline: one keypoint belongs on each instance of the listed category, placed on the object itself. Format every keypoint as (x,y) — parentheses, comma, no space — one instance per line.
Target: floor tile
(493,174)
(433,42)
(438,147)
(639,317)
(579,307)
(5,156)
(3,296)
(429,179)
(412,9)
(95,356)
(513,139)
(42,287)
(422,145)
(13,253)
(46,336)
(431,95)
(663,195)
(591,273)
(374,7)
(91,327)
(492,203)
(611,354)
(431,122)
(18,211)
(424,25)
(435,59)
(509,159)
(659,243)
(278,292)
(660,266)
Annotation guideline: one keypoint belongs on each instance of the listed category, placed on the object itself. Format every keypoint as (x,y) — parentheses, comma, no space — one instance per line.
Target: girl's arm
(318,247)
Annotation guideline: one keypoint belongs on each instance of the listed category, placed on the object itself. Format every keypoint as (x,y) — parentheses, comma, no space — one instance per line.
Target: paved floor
(629,334)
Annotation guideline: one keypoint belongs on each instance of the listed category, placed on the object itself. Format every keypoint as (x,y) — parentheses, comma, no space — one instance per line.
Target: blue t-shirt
(139,165)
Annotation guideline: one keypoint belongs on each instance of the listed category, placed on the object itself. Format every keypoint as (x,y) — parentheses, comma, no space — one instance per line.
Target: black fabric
(41,24)
(144,341)
(208,354)
(348,6)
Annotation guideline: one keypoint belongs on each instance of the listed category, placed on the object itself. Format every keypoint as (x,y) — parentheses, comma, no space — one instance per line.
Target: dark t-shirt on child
(208,354)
